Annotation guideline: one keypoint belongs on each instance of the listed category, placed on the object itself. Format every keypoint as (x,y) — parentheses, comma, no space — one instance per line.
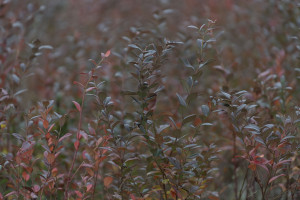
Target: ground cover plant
(149,99)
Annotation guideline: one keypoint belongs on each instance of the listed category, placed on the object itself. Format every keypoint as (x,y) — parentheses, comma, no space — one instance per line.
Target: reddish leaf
(25,176)
(277,102)
(90,171)
(90,89)
(252,152)
(54,171)
(99,141)
(51,127)
(36,188)
(87,165)
(213,197)
(91,130)
(104,151)
(77,106)
(29,169)
(178,124)
(50,157)
(252,166)
(282,162)
(197,121)
(45,124)
(84,135)
(79,194)
(107,181)
(76,144)
(89,187)
(77,83)
(275,177)
(11,193)
(51,184)
(48,110)
(47,135)
(107,54)
(173,193)
(101,159)
(93,61)
(132,197)
(64,137)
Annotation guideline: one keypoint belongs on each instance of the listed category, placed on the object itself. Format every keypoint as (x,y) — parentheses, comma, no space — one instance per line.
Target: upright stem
(235,167)
(256,178)
(76,150)
(95,178)
(241,190)
(287,183)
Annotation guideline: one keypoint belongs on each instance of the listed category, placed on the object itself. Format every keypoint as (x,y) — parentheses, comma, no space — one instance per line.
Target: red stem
(76,150)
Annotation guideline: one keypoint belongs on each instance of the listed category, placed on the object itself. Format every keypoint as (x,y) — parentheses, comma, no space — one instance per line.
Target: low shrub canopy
(149,99)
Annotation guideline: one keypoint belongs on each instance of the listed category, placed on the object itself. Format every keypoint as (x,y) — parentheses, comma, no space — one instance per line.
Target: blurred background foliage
(253,36)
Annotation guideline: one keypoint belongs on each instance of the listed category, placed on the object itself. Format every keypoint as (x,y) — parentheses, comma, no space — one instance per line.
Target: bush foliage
(149,99)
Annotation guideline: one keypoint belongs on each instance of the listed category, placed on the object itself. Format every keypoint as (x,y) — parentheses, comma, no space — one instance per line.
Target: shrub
(169,110)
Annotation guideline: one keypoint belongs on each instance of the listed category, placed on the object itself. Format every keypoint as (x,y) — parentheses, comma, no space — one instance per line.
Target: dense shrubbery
(176,106)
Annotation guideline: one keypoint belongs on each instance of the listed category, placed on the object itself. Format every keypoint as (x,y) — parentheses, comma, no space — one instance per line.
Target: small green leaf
(200,43)
(107,101)
(205,110)
(206,124)
(253,127)
(100,84)
(142,129)
(188,64)
(193,27)
(20,92)
(211,40)
(188,119)
(45,47)
(134,46)
(173,121)
(163,127)
(129,162)
(225,95)
(181,100)
(259,140)
(287,137)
